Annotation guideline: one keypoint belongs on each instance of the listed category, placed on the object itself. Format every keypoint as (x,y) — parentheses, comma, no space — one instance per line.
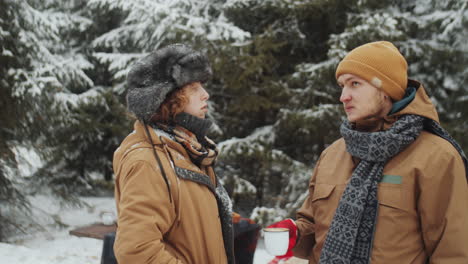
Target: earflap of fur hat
(144,102)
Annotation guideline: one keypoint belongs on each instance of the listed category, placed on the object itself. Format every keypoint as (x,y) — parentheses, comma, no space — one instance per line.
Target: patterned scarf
(201,155)
(351,233)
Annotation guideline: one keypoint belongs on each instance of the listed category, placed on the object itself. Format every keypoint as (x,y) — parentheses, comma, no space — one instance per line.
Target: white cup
(108,218)
(276,240)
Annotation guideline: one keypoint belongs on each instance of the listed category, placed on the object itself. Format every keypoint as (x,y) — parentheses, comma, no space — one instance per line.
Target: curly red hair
(174,104)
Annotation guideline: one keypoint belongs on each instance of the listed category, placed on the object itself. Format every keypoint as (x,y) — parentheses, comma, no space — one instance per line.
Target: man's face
(198,97)
(361,100)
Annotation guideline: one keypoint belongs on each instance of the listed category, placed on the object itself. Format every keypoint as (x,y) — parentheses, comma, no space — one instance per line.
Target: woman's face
(198,98)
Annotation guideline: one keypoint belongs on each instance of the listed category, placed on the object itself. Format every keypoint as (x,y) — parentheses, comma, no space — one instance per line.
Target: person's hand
(291,225)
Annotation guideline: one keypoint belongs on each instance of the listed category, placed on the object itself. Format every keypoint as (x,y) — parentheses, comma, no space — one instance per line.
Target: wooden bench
(102,232)
(97,230)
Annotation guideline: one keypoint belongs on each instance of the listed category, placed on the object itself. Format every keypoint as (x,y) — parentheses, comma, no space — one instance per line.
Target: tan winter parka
(423,199)
(155,226)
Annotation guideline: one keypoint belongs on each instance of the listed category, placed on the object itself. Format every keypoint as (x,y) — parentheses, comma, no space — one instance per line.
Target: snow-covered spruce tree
(49,98)
(35,66)
(437,50)
(277,100)
(12,200)
(92,121)
(59,88)
(56,102)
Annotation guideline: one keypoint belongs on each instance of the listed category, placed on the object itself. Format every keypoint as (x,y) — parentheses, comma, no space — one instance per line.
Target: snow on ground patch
(62,249)
(57,246)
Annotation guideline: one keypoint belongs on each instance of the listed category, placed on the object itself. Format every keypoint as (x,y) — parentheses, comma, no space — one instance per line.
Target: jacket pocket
(391,195)
(322,191)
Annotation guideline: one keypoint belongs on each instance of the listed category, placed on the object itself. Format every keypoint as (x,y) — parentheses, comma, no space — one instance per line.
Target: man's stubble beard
(378,109)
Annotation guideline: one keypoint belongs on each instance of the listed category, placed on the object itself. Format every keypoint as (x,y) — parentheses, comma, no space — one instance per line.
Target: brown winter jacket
(423,198)
(153,226)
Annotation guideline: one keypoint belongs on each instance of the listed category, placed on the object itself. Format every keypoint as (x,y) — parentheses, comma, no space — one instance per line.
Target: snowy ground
(55,246)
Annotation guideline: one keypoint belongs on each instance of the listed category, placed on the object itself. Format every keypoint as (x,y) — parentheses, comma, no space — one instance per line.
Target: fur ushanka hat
(153,77)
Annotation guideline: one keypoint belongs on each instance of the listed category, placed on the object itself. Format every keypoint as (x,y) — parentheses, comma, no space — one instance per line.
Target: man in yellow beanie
(394,188)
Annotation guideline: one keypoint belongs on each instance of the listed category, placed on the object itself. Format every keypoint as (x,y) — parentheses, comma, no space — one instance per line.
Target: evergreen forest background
(274,98)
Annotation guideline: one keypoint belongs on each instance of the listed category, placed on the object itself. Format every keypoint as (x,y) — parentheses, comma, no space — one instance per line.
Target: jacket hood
(136,140)
(421,105)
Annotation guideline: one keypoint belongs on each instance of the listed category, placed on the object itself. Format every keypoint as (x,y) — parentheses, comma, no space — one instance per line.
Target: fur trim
(224,206)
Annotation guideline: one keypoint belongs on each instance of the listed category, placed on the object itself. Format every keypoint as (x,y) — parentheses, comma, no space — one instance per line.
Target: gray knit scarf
(351,233)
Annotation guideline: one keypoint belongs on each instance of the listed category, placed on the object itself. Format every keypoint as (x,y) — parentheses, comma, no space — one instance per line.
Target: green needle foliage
(273,96)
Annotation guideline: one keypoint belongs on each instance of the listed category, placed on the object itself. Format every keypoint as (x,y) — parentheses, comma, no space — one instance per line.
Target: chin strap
(158,160)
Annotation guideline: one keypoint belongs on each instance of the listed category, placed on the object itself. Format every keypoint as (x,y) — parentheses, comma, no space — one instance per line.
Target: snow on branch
(150,24)
(118,62)
(254,140)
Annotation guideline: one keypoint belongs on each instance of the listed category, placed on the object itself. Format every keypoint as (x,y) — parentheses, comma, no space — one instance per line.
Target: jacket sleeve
(145,215)
(305,221)
(443,209)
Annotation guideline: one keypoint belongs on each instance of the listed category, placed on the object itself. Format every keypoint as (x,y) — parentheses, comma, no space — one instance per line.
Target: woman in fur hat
(171,206)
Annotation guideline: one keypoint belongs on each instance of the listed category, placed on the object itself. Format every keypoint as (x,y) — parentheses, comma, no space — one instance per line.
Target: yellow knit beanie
(381,64)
